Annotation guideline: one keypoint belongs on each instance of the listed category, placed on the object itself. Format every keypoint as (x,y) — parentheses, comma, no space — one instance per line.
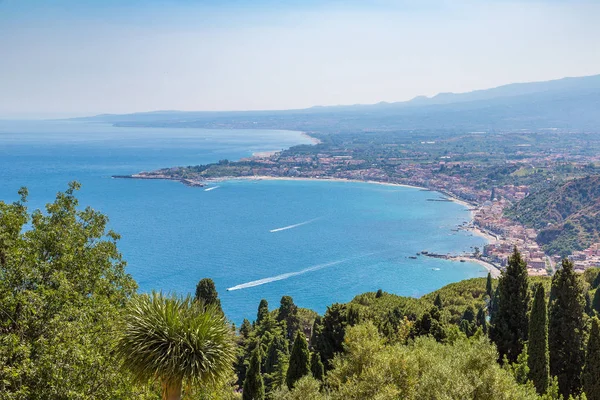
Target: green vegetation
(299,361)
(63,289)
(566,329)
(538,359)
(206,292)
(591,370)
(253,384)
(179,341)
(509,321)
(567,214)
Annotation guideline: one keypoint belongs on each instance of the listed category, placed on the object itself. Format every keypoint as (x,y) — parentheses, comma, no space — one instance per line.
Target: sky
(80,57)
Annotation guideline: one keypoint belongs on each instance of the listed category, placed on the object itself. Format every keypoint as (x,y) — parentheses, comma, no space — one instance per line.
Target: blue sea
(319,242)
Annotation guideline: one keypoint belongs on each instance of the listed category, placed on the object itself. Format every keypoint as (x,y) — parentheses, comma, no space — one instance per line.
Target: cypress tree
(352,314)
(277,348)
(206,292)
(591,370)
(510,321)
(469,314)
(596,281)
(254,388)
(316,330)
(245,328)
(263,311)
(596,302)
(288,312)
(482,321)
(539,358)
(379,294)
(588,304)
(329,336)
(566,329)
(316,366)
(438,302)
(489,289)
(299,361)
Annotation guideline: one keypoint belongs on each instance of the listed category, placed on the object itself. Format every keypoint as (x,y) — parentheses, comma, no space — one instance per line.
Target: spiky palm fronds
(175,340)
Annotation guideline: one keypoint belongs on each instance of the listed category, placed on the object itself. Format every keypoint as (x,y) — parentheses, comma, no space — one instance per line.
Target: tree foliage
(539,358)
(177,341)
(510,321)
(299,361)
(489,289)
(253,384)
(426,369)
(316,366)
(566,327)
(591,370)
(263,311)
(330,335)
(63,288)
(288,312)
(206,292)
(596,302)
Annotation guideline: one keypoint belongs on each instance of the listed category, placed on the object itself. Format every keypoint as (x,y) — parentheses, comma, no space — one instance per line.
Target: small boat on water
(413,257)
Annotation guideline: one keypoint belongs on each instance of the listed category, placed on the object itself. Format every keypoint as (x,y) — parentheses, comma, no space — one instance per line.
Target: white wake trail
(284,276)
(296,273)
(294,226)
(211,188)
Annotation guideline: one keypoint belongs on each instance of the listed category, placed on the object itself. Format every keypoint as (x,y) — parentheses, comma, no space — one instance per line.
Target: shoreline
(491,268)
(314,140)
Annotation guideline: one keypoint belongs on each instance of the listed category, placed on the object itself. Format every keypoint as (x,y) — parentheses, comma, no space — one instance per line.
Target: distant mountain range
(567,215)
(571,104)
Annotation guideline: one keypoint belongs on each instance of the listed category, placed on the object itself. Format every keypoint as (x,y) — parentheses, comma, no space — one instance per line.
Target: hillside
(566,214)
(567,104)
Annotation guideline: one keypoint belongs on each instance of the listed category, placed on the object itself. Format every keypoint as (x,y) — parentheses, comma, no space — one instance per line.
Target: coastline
(491,268)
(314,140)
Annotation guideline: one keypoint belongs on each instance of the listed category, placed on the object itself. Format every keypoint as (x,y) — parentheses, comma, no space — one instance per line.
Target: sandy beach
(266,153)
(495,272)
(314,140)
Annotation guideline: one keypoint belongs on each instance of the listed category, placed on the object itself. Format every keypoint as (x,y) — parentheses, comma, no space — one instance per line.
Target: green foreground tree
(206,292)
(177,341)
(63,288)
(263,311)
(591,370)
(489,288)
(316,366)
(596,302)
(509,320)
(299,361)
(538,356)
(254,388)
(566,327)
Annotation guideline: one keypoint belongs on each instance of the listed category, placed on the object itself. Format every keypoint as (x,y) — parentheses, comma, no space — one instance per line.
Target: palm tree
(177,341)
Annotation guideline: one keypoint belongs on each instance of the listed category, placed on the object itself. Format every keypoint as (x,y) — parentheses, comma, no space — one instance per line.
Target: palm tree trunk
(171,390)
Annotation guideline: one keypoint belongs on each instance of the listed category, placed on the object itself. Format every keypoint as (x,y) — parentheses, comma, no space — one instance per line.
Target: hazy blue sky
(80,57)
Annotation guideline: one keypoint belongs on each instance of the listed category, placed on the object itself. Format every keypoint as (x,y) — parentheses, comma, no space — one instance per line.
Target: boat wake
(294,226)
(291,274)
(211,188)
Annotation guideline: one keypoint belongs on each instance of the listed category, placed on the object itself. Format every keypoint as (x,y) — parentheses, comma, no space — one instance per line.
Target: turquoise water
(320,242)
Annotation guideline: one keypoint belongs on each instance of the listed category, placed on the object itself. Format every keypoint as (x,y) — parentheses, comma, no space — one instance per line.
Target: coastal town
(487,185)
